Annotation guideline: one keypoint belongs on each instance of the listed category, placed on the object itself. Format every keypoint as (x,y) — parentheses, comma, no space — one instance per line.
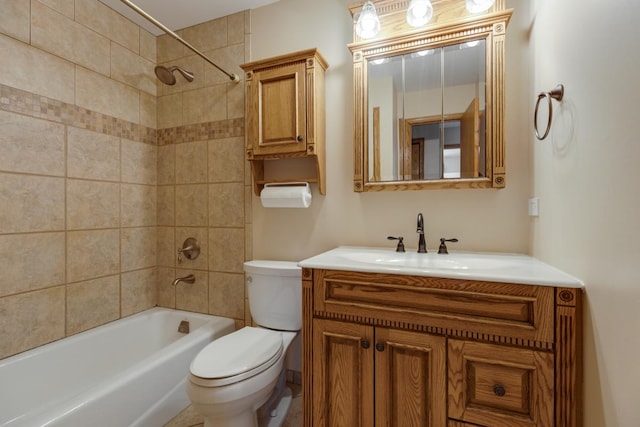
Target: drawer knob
(365,344)
(499,390)
(300,138)
(380,346)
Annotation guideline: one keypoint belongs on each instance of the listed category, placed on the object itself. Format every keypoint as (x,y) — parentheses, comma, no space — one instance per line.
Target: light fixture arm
(234,77)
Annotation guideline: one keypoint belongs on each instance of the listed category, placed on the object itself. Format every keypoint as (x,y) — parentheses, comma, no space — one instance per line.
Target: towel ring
(557,94)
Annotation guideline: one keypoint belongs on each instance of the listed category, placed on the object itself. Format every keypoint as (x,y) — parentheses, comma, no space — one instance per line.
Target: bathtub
(131,372)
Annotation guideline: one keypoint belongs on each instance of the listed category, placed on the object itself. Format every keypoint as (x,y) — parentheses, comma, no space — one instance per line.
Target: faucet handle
(400,247)
(443,247)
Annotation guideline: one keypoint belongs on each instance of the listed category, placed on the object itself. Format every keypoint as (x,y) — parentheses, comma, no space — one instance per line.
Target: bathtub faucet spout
(186,279)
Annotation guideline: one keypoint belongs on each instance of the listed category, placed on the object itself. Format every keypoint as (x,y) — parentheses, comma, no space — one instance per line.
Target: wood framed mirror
(429,101)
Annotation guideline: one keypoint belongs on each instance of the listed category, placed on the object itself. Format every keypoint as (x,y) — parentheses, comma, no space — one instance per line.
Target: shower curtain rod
(234,77)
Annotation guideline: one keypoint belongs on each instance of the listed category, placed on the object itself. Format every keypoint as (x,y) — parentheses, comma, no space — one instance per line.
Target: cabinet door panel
(410,379)
(281,123)
(342,374)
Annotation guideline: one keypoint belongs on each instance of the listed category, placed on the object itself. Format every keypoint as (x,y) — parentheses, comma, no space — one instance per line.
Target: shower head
(165,75)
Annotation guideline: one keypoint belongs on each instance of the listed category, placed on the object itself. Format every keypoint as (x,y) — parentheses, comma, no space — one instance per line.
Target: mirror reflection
(426,114)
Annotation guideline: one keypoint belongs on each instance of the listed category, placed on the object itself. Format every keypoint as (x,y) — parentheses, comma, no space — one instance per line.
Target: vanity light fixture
(368,24)
(419,12)
(477,6)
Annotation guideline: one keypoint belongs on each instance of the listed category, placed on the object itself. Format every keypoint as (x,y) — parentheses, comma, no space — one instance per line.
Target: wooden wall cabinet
(394,350)
(285,114)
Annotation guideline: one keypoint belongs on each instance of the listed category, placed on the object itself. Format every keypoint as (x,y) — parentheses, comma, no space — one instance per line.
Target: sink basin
(509,268)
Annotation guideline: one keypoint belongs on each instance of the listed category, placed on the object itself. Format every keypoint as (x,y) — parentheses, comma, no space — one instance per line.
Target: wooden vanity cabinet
(394,350)
(285,113)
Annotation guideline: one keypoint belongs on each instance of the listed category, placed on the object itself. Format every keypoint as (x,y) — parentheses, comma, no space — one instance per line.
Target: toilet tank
(274,289)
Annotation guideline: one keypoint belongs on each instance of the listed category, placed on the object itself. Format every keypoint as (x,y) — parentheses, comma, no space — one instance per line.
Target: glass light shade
(368,24)
(477,6)
(419,12)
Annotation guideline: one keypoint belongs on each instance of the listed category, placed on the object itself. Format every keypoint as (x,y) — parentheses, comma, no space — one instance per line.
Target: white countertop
(493,267)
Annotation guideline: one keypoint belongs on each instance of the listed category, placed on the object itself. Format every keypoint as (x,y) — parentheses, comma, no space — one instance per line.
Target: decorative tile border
(38,106)
(201,131)
(42,107)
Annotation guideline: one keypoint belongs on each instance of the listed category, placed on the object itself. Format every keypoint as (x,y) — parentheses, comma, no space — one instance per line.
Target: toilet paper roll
(289,195)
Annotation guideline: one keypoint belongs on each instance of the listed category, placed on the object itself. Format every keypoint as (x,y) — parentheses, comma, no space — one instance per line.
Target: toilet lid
(241,354)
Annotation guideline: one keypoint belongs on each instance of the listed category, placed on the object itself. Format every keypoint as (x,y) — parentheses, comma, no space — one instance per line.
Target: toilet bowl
(238,380)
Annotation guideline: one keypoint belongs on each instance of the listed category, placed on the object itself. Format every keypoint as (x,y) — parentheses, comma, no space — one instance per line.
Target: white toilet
(238,380)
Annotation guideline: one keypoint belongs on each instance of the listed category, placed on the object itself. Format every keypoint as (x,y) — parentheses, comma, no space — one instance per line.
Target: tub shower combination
(131,372)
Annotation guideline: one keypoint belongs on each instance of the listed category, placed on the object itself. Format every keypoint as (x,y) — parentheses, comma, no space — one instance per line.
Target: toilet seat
(236,357)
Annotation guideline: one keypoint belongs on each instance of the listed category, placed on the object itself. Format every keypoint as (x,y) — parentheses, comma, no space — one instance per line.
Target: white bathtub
(131,372)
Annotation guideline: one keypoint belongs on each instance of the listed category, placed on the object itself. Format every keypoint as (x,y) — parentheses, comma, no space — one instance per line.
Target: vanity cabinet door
(410,379)
(276,116)
(500,386)
(342,374)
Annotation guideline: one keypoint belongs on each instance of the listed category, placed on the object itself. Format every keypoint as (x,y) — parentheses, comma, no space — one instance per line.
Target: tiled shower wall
(80,167)
(202,183)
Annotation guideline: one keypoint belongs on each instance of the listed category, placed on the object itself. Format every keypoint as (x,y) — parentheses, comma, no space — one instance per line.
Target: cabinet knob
(380,346)
(499,390)
(365,344)
(300,138)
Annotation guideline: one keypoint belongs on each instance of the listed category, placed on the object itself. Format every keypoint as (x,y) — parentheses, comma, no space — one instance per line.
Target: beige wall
(493,220)
(77,170)
(202,183)
(586,175)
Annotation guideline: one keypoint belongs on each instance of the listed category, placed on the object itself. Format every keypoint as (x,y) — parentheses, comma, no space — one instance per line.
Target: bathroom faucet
(422,246)
(186,279)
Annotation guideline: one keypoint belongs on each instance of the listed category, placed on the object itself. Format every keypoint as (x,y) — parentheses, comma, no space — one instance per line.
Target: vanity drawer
(509,313)
(500,386)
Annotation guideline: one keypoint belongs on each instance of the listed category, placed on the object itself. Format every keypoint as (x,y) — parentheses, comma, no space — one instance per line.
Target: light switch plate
(534,206)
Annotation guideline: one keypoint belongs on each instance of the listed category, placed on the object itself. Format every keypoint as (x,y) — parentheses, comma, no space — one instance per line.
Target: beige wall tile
(226,160)
(226,250)
(226,295)
(138,248)
(201,235)
(92,303)
(138,205)
(109,23)
(31,261)
(235,101)
(191,205)
(40,72)
(148,46)
(229,59)
(139,162)
(101,94)
(92,254)
(130,68)
(167,164)
(31,145)
(33,203)
(191,162)
(92,155)
(139,291)
(14,19)
(61,36)
(66,7)
(193,296)
(31,319)
(170,111)
(248,239)
(168,48)
(248,200)
(236,29)
(166,291)
(166,205)
(167,246)
(148,110)
(226,205)
(205,105)
(92,204)
(208,35)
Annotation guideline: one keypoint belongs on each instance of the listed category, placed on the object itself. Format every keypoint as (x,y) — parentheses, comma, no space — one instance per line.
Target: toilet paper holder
(286,195)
